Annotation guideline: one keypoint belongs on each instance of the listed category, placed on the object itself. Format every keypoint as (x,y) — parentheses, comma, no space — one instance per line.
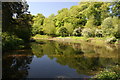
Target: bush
(77,31)
(111,40)
(107,75)
(23,33)
(98,33)
(117,41)
(10,42)
(87,32)
(116,69)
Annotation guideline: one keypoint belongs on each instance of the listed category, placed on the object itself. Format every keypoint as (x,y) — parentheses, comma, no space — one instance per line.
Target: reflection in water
(53,59)
(16,64)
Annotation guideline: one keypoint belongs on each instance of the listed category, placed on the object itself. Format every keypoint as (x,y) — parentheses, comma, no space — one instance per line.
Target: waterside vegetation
(89,21)
(95,23)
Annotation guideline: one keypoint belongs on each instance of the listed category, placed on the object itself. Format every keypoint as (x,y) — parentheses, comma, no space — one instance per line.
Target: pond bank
(72,39)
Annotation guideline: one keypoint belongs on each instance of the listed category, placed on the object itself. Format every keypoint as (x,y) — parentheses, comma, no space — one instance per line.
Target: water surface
(49,59)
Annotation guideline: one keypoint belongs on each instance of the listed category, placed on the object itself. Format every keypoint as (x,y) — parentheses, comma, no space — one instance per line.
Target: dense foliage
(88,19)
(16,24)
(107,75)
(38,24)
(10,42)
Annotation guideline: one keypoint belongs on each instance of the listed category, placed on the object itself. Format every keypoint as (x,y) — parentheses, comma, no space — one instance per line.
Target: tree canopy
(87,19)
(95,18)
(16,25)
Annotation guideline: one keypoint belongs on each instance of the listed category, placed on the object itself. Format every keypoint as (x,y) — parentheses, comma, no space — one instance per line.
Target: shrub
(111,40)
(10,42)
(23,32)
(117,41)
(98,33)
(116,69)
(107,75)
(87,32)
(77,31)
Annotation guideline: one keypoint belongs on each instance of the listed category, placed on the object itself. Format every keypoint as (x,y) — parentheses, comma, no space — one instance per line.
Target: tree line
(88,19)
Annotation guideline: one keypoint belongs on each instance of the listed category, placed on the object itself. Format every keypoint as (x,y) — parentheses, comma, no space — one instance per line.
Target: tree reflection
(86,59)
(16,64)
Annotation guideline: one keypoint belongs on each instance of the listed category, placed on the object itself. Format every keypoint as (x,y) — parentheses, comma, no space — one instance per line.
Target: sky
(48,8)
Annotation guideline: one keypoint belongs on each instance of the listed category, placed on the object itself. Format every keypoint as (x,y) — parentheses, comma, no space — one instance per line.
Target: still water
(49,59)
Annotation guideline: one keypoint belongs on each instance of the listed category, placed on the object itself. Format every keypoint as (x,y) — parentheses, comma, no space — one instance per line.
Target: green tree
(37,27)
(49,26)
(105,10)
(62,31)
(116,8)
(10,9)
(77,17)
(16,23)
(23,29)
(90,23)
(96,12)
(69,28)
(111,27)
(62,17)
(52,16)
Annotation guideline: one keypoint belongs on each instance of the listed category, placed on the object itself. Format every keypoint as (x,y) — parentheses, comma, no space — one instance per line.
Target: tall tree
(69,28)
(10,9)
(49,26)
(62,17)
(24,28)
(38,24)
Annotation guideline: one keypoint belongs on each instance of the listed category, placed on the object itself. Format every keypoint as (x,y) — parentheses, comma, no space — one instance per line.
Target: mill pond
(51,59)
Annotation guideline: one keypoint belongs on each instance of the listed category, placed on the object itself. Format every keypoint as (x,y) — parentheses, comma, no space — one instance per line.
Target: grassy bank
(98,41)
